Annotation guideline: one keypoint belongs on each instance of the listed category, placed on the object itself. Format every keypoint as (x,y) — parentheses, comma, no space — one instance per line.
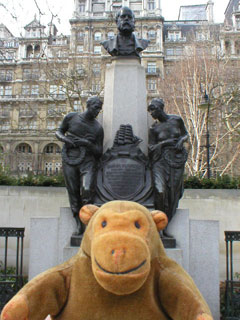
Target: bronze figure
(168,157)
(83,145)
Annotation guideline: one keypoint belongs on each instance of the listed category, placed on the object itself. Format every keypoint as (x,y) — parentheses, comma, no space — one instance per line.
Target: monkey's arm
(43,295)
(178,294)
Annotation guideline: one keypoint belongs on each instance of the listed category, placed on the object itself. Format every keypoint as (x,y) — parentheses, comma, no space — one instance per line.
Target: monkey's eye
(137,225)
(104,223)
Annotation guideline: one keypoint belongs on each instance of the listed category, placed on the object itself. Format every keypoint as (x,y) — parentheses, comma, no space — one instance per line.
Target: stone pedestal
(197,249)
(125,100)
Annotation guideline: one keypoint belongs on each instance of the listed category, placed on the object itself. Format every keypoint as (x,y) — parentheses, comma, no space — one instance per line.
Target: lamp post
(206,105)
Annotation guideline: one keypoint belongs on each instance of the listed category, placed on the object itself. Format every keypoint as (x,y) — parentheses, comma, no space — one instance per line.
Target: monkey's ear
(86,212)
(160,219)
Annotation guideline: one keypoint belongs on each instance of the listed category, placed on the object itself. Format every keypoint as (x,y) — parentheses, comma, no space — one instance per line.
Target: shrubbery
(221,182)
(31,180)
(224,182)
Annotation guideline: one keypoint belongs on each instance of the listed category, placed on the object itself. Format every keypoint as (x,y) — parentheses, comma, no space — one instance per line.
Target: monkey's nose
(118,254)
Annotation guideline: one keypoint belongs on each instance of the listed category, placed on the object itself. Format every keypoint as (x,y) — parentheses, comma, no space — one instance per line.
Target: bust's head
(125,20)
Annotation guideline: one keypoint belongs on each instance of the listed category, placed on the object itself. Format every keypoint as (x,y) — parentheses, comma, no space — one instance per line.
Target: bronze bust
(125,43)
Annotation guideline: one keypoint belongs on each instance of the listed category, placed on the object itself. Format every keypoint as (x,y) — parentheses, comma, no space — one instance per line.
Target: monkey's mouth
(122,272)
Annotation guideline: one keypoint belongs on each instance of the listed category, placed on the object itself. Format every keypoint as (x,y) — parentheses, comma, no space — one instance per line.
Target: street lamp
(206,105)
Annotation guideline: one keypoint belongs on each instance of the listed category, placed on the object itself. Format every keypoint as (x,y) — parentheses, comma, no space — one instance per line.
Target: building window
(10,55)
(25,90)
(58,166)
(37,51)
(35,90)
(227,47)
(179,51)
(52,167)
(4,125)
(110,35)
(151,34)
(174,35)
(96,87)
(97,36)
(201,36)
(51,110)
(6,75)
(52,148)
(77,106)
(26,74)
(24,166)
(81,6)
(23,125)
(8,90)
(80,36)
(56,110)
(9,44)
(53,90)
(151,4)
(97,49)
(79,49)
(97,69)
(7,55)
(26,112)
(9,75)
(151,67)
(31,74)
(169,52)
(237,47)
(29,53)
(152,85)
(32,125)
(52,125)
(24,148)
(4,111)
(238,22)
(80,68)
(62,91)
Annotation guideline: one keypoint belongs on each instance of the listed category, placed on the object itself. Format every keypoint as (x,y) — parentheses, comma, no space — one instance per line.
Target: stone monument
(124,171)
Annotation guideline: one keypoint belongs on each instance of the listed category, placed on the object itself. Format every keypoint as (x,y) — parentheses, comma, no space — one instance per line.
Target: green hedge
(32,180)
(224,182)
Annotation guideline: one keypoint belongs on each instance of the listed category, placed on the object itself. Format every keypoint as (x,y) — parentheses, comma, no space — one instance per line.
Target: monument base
(76,240)
(168,243)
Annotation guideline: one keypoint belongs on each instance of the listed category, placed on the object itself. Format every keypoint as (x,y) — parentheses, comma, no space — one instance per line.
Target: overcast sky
(17,14)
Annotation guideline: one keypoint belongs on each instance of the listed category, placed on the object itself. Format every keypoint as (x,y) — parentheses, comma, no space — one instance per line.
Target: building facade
(43,75)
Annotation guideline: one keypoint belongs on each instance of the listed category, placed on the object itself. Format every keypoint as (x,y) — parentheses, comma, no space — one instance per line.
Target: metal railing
(232,289)
(11,278)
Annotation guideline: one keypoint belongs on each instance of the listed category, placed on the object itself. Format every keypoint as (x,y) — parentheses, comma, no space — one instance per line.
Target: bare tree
(201,71)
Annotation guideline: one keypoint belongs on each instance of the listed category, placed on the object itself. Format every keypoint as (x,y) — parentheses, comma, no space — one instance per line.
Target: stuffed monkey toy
(121,272)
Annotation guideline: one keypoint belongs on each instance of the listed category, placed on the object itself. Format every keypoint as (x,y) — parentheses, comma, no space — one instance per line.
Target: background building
(44,75)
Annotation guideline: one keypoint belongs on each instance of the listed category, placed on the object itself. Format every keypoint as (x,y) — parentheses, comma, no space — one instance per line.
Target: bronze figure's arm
(60,133)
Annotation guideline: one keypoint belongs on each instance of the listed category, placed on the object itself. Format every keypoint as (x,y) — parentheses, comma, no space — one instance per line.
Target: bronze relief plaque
(123,177)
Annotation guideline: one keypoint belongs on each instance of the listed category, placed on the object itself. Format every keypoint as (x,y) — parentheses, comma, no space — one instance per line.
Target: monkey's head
(121,238)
